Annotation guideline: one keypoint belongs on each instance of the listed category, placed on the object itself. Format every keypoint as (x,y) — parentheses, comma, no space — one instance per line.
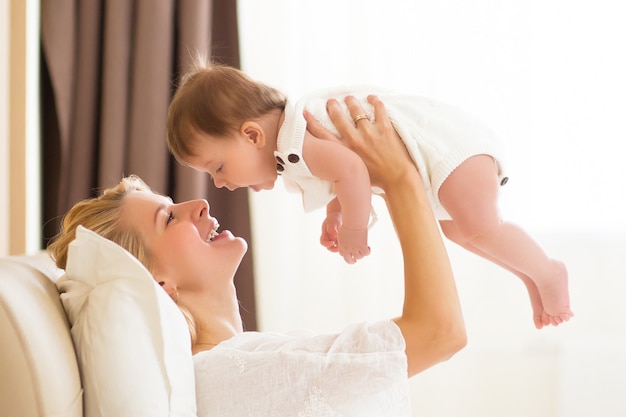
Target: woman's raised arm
(431,321)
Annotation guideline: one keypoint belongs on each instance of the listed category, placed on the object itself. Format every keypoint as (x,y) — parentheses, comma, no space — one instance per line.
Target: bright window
(547,75)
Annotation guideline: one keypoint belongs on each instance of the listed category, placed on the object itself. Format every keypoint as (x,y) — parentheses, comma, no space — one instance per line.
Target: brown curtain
(109,68)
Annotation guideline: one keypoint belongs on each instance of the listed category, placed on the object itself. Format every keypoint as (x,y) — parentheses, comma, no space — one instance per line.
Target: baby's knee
(470,230)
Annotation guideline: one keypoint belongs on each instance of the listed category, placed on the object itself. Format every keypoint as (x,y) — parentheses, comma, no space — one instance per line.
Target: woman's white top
(361,371)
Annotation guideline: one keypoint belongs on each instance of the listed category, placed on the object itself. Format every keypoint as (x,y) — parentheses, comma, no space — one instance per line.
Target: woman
(360,371)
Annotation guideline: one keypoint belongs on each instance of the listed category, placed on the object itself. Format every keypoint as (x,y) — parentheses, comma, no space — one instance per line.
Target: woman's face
(181,240)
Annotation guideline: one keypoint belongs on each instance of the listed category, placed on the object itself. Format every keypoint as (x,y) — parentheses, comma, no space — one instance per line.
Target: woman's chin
(228,235)
(244,245)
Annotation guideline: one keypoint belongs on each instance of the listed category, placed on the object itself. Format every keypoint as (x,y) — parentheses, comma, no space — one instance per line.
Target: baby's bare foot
(554,291)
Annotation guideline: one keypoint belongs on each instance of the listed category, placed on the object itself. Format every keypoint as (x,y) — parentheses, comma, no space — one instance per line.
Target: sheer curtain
(109,69)
(548,77)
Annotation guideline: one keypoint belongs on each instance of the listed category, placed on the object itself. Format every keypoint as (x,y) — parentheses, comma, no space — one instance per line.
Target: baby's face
(235,162)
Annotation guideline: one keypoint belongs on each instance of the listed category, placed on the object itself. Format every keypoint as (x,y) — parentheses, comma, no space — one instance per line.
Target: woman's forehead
(148,198)
(140,208)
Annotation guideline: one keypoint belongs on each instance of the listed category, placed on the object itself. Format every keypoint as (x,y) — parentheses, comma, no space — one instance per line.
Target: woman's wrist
(408,178)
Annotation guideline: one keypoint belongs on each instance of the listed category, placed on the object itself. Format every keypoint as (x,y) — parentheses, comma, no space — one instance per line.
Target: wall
(4,131)
(19,145)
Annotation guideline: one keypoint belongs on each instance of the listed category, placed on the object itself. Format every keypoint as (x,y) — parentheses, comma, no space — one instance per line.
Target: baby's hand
(353,244)
(330,231)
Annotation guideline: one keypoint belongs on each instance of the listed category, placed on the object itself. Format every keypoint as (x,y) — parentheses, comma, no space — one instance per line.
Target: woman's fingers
(371,135)
(380,113)
(347,126)
(377,142)
(316,129)
(344,123)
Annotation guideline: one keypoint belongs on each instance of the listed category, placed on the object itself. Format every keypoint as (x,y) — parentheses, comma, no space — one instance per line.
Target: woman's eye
(170,217)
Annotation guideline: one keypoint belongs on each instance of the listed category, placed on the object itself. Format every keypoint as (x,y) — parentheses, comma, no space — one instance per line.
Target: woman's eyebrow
(160,207)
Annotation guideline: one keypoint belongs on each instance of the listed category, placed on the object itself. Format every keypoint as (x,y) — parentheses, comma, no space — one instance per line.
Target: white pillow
(132,342)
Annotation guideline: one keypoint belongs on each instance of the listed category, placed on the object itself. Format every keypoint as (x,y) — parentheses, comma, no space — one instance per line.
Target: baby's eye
(170,217)
(218,170)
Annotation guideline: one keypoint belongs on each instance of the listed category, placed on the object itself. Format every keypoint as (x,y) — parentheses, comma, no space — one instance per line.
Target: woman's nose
(200,209)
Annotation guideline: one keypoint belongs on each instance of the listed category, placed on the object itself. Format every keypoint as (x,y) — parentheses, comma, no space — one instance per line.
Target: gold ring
(359,117)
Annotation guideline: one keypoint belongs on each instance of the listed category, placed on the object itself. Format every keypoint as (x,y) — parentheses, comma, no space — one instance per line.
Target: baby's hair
(215,99)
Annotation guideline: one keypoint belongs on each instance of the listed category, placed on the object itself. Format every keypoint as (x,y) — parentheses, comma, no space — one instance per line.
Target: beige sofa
(39,374)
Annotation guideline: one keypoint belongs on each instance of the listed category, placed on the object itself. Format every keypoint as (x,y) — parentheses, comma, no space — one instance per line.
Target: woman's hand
(375,141)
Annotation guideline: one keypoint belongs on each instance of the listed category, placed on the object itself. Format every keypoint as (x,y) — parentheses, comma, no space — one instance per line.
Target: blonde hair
(102,215)
(215,99)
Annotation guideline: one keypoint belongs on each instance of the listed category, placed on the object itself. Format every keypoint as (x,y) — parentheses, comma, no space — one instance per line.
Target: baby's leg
(470,196)
(539,316)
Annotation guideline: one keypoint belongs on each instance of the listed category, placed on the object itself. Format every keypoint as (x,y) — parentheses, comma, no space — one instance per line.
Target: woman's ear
(170,288)
(254,133)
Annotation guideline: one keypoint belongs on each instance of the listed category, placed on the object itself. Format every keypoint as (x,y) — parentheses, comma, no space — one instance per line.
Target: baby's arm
(336,163)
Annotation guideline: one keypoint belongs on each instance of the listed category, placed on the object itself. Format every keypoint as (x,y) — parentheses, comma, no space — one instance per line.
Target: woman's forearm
(431,321)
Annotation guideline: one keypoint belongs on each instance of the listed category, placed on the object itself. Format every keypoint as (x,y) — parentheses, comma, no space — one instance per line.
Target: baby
(245,133)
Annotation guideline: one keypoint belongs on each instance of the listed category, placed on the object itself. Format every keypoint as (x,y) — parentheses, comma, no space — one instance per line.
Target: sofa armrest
(39,374)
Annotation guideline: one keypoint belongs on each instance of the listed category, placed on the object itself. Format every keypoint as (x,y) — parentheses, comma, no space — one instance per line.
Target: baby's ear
(254,133)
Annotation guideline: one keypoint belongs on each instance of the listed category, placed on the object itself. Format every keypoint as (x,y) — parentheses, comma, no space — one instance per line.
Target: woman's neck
(216,319)
(208,338)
